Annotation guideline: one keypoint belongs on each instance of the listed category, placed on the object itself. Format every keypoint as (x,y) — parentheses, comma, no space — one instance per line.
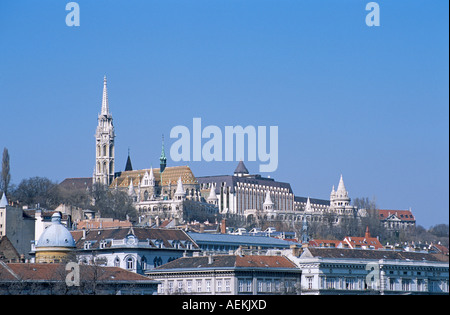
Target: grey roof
(370,254)
(312,200)
(253,262)
(241,169)
(238,240)
(76,183)
(94,236)
(231,181)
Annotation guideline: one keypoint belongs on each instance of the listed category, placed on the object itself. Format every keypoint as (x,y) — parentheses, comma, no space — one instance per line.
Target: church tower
(162,158)
(104,142)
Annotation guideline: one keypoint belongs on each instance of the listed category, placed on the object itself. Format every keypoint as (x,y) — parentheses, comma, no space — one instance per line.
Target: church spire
(128,166)
(104,143)
(162,159)
(105,106)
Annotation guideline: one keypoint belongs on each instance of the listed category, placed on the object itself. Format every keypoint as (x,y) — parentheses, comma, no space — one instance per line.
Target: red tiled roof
(362,241)
(404,215)
(324,243)
(228,261)
(57,272)
(264,261)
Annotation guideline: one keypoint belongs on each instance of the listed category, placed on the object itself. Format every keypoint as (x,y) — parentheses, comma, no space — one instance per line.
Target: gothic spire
(180,191)
(268,200)
(308,206)
(105,106)
(128,166)
(341,186)
(162,159)
(212,193)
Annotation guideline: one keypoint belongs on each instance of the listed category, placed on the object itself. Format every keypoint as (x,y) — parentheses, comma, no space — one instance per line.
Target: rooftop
(229,261)
(57,272)
(239,240)
(318,252)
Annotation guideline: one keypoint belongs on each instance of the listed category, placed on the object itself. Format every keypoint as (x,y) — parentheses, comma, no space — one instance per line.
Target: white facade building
(358,271)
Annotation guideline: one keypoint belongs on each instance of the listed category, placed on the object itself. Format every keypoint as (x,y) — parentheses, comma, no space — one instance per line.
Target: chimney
(202,228)
(367,235)
(223,226)
(296,250)
(210,259)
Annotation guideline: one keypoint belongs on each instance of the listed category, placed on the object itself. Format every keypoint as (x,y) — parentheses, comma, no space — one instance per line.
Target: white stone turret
(131,191)
(268,204)
(151,178)
(212,198)
(308,206)
(339,199)
(180,194)
(341,192)
(3,201)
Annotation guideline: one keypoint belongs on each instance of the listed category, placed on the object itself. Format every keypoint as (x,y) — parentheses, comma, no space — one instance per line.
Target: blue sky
(370,103)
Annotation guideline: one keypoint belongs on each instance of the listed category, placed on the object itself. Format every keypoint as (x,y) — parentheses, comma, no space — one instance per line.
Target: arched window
(144,263)
(130,263)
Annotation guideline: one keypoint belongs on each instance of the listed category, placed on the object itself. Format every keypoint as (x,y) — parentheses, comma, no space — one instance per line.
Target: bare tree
(37,190)
(112,203)
(5,175)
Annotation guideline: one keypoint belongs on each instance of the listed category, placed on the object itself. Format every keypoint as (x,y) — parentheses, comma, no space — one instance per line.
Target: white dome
(56,235)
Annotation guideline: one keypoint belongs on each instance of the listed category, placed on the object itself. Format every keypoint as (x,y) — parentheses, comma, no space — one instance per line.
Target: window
(310,280)
(420,285)
(161,287)
(330,283)
(208,285)
(199,285)
(269,286)
(117,262)
(277,285)
(130,263)
(144,263)
(406,284)
(219,285)
(349,283)
(245,285)
(227,285)
(392,284)
(170,287)
(189,286)
(179,286)
(260,284)
(249,285)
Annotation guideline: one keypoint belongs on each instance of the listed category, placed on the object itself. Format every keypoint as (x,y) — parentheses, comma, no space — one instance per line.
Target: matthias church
(174,192)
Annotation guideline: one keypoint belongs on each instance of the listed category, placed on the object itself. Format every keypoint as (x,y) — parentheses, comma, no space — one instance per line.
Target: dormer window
(103,244)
